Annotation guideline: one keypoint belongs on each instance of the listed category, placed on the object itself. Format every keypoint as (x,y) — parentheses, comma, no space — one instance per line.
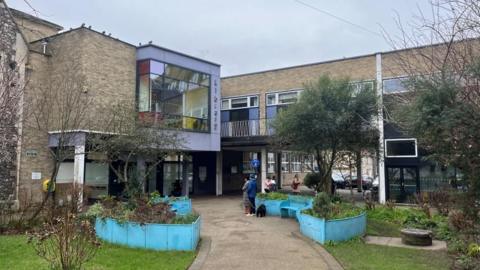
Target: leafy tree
(321,123)
(444,115)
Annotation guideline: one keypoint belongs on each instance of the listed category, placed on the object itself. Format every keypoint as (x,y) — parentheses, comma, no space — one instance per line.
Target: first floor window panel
(285,162)
(296,163)
(271,163)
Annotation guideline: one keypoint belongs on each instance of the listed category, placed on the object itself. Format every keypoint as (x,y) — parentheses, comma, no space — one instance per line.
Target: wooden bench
(293,205)
(416,237)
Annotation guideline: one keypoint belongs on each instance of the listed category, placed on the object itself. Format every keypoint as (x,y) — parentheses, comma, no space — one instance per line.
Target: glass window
(157,67)
(395,85)
(401,147)
(296,163)
(65,173)
(271,100)
(239,103)
(144,94)
(180,95)
(225,104)
(285,162)
(285,98)
(253,101)
(271,163)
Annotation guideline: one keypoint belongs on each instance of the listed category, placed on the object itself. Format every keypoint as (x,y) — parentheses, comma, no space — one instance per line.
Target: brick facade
(108,67)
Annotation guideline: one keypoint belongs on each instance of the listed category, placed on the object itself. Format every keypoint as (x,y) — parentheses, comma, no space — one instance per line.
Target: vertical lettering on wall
(215,104)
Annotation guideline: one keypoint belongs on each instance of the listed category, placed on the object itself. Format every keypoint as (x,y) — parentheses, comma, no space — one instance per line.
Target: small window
(395,85)
(286,98)
(225,104)
(239,103)
(401,148)
(253,101)
(271,100)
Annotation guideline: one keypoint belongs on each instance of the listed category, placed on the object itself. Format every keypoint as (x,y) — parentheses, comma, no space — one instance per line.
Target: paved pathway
(240,242)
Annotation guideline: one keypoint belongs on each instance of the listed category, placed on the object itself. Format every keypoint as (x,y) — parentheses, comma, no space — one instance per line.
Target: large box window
(401,148)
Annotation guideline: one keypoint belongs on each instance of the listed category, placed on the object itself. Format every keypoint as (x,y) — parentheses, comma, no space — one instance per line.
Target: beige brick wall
(34,31)
(109,69)
(360,68)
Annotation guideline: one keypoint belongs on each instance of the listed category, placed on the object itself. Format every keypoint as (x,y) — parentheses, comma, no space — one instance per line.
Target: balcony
(247,128)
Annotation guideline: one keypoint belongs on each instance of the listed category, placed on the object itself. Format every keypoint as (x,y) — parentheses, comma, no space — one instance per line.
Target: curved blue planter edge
(273,206)
(337,230)
(149,235)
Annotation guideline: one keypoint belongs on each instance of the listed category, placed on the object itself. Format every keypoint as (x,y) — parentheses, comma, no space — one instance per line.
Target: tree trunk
(358,165)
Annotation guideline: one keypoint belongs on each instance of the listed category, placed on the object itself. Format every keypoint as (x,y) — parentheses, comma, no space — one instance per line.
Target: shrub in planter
(272,196)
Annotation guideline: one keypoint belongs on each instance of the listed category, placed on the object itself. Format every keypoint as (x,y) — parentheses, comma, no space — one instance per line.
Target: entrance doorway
(402,183)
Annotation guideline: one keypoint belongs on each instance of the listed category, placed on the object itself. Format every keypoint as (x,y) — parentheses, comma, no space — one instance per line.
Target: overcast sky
(241,35)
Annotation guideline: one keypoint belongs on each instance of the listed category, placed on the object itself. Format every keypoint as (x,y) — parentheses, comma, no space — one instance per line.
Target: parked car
(352,181)
(338,180)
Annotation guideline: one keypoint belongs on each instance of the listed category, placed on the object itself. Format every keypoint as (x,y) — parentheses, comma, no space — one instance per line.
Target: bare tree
(130,138)
(59,107)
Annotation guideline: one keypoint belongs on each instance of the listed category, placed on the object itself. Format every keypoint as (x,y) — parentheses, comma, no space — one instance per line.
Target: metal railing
(247,128)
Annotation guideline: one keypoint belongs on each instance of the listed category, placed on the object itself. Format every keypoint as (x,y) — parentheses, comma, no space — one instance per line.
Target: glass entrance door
(402,183)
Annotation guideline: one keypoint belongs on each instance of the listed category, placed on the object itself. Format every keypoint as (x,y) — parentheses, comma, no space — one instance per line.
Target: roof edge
(86,28)
(177,52)
(348,58)
(19,13)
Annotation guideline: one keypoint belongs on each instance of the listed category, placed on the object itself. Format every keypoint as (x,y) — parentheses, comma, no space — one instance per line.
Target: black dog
(261,211)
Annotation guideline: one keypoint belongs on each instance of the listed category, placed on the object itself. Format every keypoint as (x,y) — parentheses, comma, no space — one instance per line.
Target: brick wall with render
(356,69)
(108,66)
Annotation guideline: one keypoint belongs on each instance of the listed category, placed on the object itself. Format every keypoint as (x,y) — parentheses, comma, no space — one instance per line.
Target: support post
(79,170)
(219,178)
(263,168)
(382,189)
(185,184)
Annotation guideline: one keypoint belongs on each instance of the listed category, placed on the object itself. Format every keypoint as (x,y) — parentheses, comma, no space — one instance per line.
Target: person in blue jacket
(252,192)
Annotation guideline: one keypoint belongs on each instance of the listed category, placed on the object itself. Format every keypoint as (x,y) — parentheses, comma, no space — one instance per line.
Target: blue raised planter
(322,230)
(272,206)
(149,236)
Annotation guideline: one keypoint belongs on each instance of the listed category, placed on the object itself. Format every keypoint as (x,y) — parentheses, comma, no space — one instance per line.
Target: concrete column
(79,169)
(219,176)
(185,184)
(263,168)
(382,188)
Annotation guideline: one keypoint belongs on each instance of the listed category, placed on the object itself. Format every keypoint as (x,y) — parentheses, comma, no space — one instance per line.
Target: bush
(272,196)
(141,210)
(313,180)
(65,241)
(327,207)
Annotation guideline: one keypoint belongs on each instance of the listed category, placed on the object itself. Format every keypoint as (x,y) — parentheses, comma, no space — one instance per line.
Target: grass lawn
(383,228)
(15,253)
(355,255)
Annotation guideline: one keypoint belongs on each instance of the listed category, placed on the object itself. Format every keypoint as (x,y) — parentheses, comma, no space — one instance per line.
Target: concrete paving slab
(397,242)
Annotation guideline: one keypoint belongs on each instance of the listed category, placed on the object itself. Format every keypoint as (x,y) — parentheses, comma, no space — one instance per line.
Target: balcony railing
(247,128)
(173,121)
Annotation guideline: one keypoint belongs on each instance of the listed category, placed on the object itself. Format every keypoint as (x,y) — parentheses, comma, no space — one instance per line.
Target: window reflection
(176,96)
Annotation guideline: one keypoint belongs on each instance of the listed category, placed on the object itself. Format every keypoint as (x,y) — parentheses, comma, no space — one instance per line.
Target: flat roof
(179,53)
(347,58)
